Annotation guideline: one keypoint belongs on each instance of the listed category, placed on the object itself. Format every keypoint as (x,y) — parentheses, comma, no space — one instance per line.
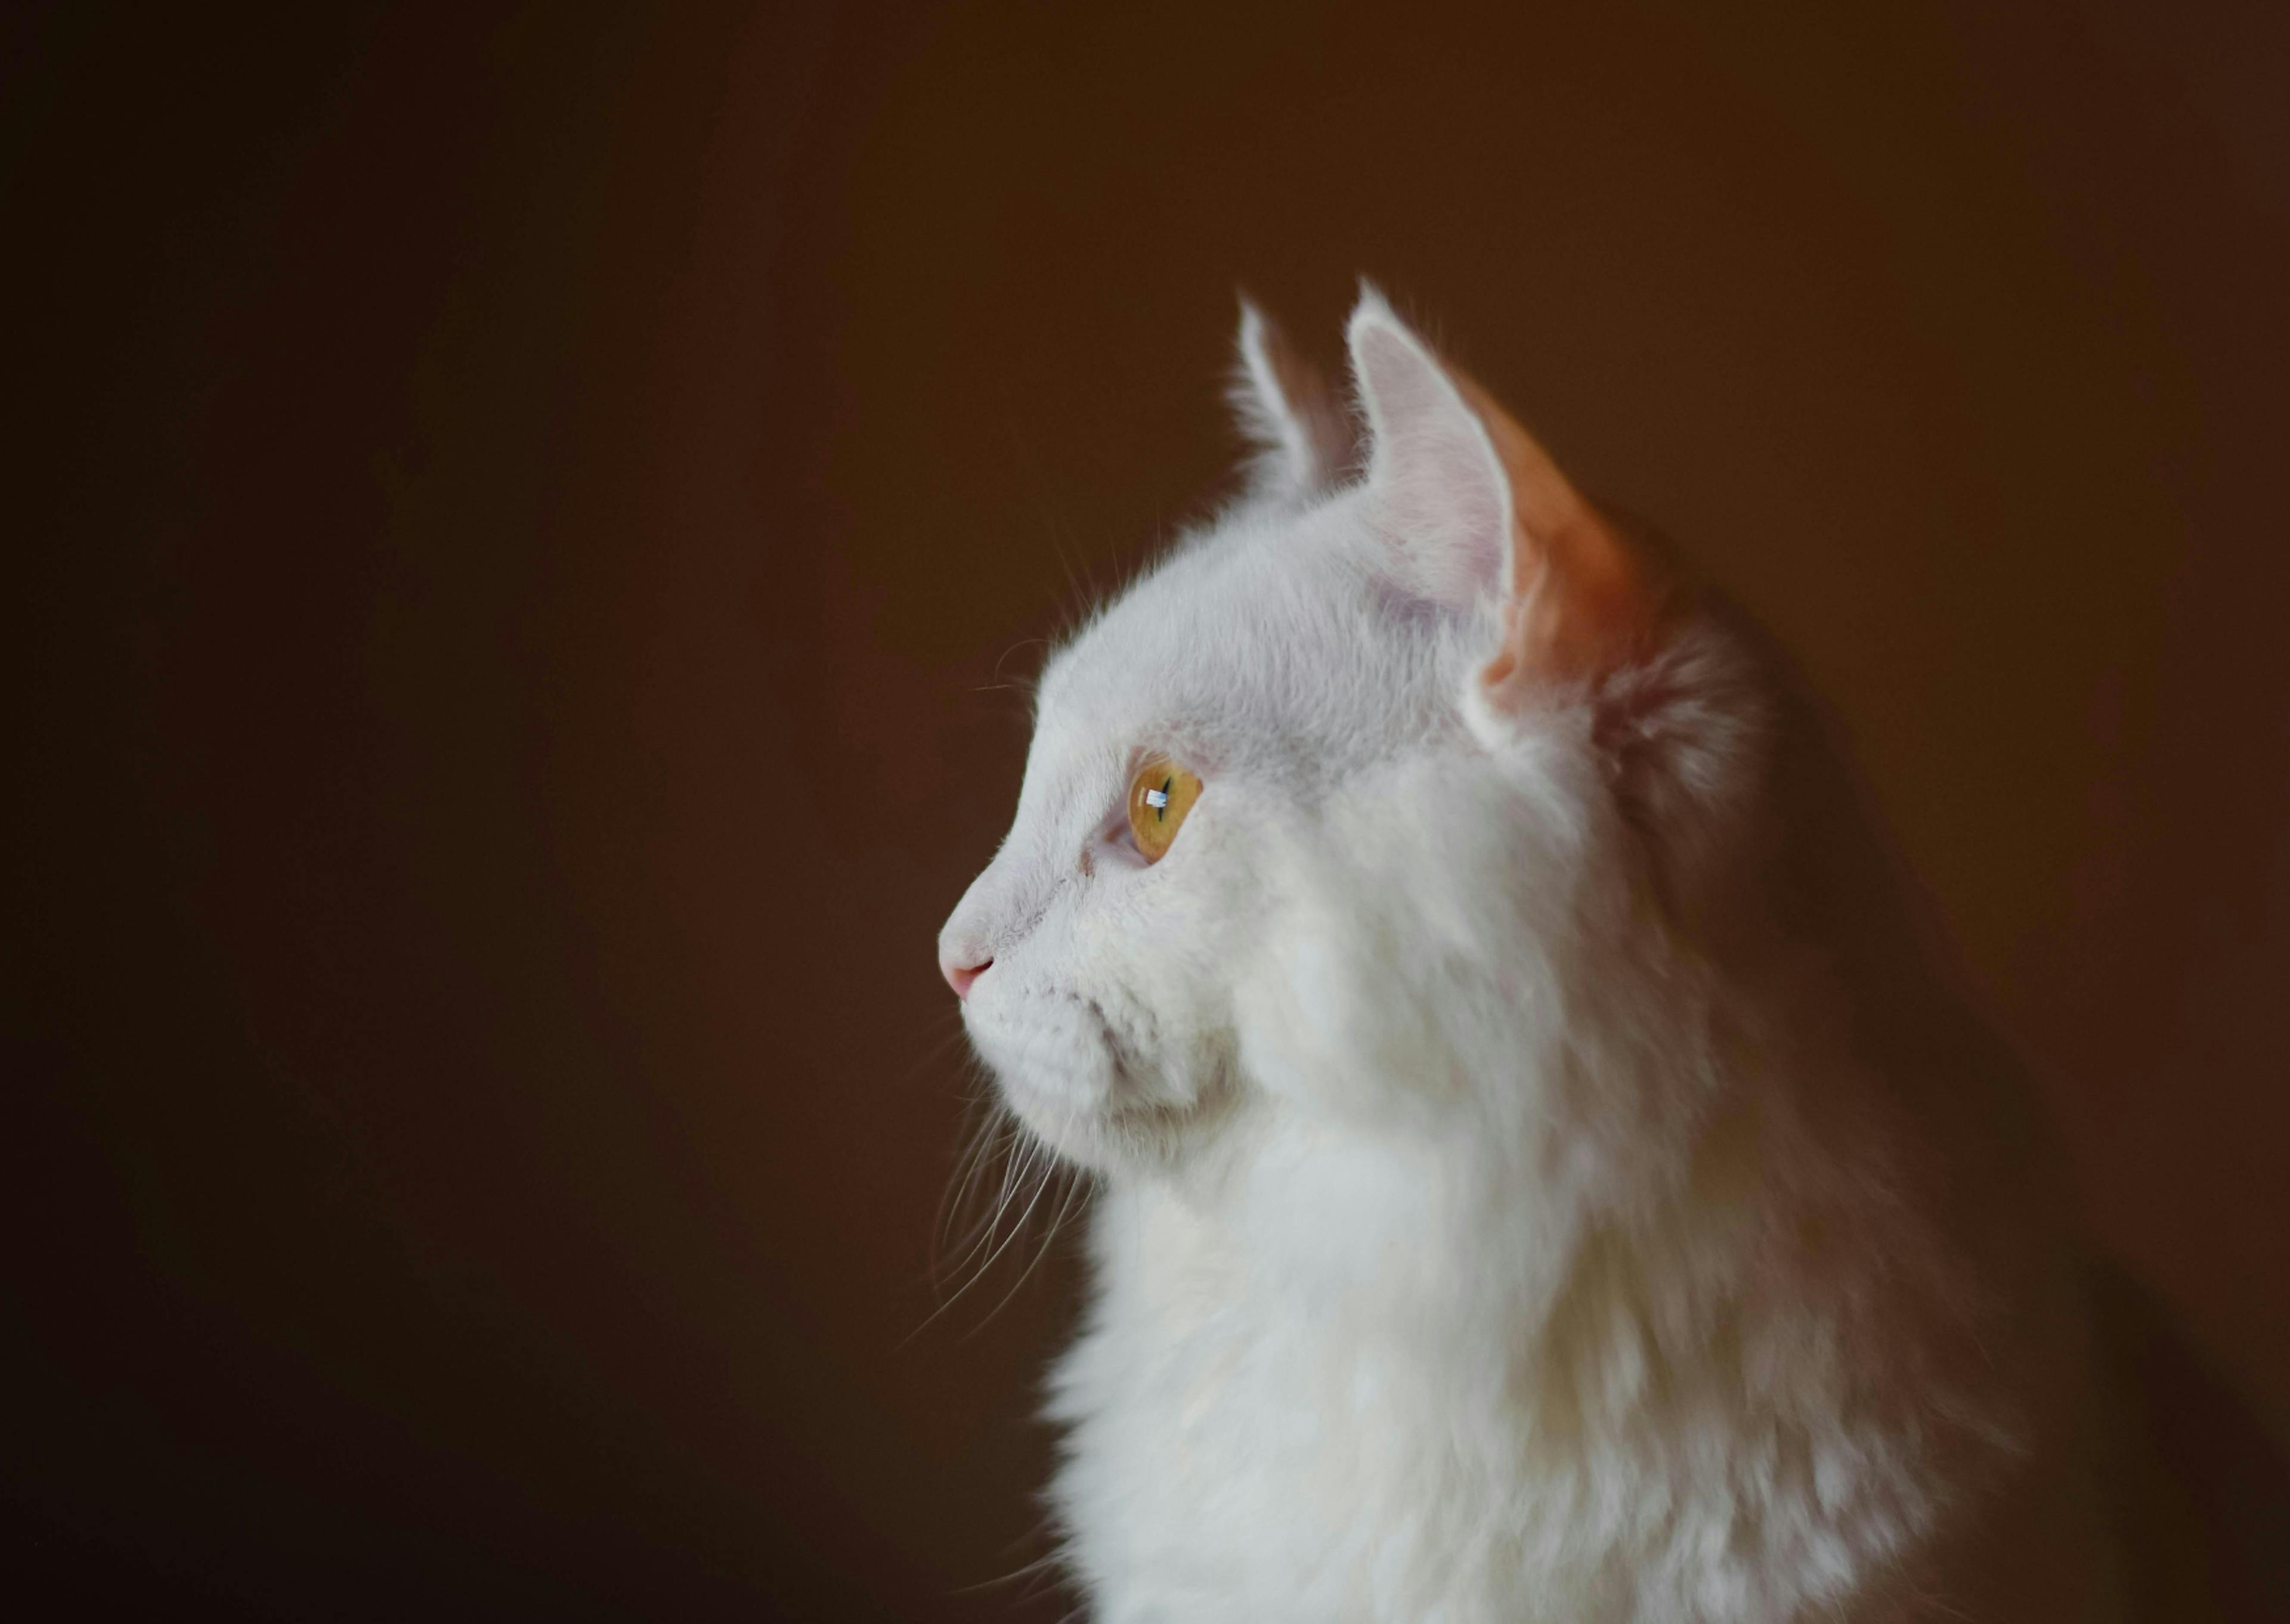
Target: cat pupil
(1159,799)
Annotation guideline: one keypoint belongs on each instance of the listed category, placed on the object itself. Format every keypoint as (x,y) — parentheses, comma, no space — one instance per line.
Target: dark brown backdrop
(522,514)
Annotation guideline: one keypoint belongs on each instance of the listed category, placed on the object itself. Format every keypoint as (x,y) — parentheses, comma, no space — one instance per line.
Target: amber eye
(1159,796)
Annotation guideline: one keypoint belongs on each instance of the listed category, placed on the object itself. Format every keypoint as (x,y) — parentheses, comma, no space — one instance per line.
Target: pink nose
(961,976)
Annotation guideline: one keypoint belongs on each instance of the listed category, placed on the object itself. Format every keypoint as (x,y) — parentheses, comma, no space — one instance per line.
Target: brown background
(524,521)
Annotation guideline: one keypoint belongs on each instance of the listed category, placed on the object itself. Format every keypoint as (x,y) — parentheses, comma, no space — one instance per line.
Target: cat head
(1396,684)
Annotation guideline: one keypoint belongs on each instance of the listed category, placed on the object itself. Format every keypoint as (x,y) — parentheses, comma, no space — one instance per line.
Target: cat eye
(1159,796)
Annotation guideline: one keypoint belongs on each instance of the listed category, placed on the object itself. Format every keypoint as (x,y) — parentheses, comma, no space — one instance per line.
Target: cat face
(1317,642)
(1253,657)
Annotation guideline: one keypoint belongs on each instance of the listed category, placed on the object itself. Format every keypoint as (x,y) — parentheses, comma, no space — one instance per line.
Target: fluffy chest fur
(1356,1378)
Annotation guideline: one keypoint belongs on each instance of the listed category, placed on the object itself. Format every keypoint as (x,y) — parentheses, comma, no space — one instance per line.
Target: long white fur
(1472,1241)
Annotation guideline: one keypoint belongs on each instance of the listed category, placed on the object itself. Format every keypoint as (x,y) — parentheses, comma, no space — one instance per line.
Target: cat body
(1535,1179)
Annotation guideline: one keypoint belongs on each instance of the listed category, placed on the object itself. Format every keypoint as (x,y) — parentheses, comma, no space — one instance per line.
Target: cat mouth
(1115,1123)
(1067,1066)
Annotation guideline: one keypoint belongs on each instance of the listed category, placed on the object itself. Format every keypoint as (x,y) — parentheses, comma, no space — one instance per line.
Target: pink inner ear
(1579,599)
(1473,505)
(1438,484)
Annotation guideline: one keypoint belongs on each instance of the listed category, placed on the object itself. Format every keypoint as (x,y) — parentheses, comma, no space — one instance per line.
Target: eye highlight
(1159,796)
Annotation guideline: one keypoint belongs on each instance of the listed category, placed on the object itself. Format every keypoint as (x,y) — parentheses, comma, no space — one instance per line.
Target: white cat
(1536,1179)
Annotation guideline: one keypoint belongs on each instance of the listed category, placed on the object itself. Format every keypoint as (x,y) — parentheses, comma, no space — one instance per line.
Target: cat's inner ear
(1475,511)
(1300,428)
(1436,494)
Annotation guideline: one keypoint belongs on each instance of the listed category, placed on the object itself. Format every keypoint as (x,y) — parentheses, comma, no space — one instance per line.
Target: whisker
(989,1212)
(936,1052)
(1049,1176)
(1075,1185)
(1026,1170)
(1028,1570)
(998,1138)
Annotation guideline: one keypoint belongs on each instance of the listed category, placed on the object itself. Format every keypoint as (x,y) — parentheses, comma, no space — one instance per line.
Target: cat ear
(1475,512)
(1302,432)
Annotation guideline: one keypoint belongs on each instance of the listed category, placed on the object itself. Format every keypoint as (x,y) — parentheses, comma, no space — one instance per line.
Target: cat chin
(1092,1114)
(1072,1131)
(1113,1139)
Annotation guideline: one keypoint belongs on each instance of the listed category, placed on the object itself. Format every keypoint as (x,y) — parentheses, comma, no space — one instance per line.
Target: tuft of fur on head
(1502,1212)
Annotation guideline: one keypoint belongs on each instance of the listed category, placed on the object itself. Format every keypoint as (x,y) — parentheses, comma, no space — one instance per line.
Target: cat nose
(966,944)
(959,975)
